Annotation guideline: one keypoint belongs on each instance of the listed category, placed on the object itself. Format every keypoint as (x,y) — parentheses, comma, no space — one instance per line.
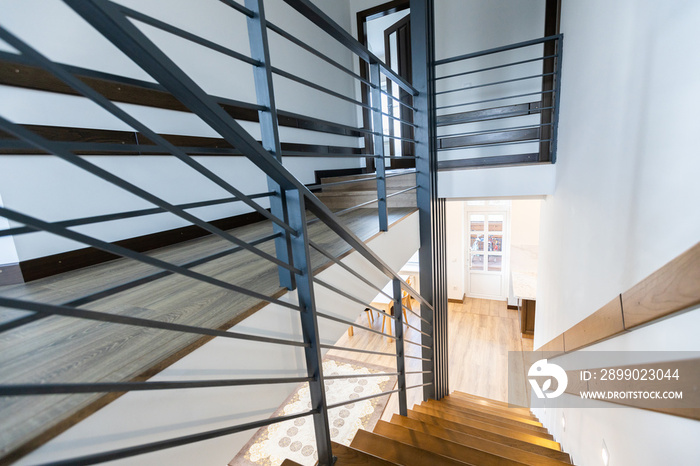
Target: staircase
(457,430)
(356,191)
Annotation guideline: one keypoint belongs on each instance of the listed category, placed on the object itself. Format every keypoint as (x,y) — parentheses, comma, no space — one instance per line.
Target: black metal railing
(499,106)
(293,207)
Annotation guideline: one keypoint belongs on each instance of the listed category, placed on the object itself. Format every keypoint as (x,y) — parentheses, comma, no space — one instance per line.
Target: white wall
(625,198)
(525,222)
(140,417)
(454,229)
(51,189)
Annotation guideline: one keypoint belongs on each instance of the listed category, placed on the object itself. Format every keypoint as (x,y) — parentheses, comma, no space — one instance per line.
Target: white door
(485,255)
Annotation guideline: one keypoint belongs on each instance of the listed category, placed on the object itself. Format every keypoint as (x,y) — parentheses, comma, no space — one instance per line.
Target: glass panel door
(485,253)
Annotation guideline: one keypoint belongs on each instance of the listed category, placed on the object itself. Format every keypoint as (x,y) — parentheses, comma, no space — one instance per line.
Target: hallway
(481,333)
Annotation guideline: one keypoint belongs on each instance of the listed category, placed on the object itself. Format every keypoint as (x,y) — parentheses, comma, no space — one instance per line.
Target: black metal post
(378,129)
(557,99)
(400,360)
(426,170)
(269,130)
(309,324)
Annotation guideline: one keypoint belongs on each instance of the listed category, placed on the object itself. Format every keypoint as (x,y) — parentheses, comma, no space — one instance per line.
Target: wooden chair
(404,297)
(370,321)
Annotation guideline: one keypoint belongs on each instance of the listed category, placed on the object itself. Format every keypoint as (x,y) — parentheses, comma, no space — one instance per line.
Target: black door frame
(363,16)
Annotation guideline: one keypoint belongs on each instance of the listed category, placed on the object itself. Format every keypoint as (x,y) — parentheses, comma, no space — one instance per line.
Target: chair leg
(383,322)
(351,332)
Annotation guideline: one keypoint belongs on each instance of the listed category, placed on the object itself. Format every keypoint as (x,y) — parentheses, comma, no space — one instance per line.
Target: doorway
(486,254)
(386,31)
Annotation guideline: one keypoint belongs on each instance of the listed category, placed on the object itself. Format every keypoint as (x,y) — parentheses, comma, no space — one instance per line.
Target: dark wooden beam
(137,144)
(47,266)
(489,138)
(14,72)
(494,113)
(499,160)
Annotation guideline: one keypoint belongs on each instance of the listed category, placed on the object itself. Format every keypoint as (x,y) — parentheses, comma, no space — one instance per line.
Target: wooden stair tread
(442,446)
(347,456)
(530,438)
(488,401)
(493,420)
(485,412)
(398,452)
(496,444)
(521,412)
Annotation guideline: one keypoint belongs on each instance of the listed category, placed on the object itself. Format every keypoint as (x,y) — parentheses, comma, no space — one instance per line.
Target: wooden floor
(62,350)
(481,333)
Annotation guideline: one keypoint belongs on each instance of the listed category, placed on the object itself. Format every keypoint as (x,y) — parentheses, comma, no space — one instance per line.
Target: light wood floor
(481,333)
(68,350)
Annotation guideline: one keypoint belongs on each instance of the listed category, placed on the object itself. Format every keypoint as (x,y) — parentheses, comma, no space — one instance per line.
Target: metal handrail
(110,19)
(504,48)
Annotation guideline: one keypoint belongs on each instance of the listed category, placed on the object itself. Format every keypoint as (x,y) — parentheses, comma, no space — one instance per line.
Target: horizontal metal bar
(124,252)
(348,268)
(315,52)
(129,285)
(104,387)
(504,48)
(404,157)
(401,192)
(130,40)
(118,112)
(414,343)
(135,150)
(356,350)
(417,329)
(323,21)
(398,138)
(478,146)
(363,398)
(324,155)
(495,83)
(418,315)
(350,322)
(418,372)
(491,161)
(66,311)
(314,187)
(347,376)
(403,122)
(238,7)
(156,23)
(345,211)
(416,357)
(283,114)
(495,100)
(312,85)
(358,206)
(492,131)
(410,107)
(130,214)
(173,442)
(418,386)
(7,326)
(350,297)
(495,67)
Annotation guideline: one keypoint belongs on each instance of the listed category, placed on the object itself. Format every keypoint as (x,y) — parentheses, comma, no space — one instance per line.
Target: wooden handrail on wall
(672,288)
